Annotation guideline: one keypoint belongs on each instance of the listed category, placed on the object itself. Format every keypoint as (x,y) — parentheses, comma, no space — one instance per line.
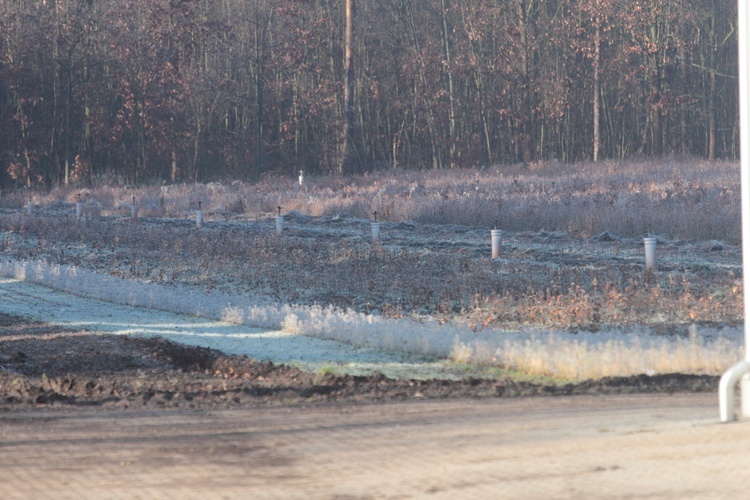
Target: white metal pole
(744,67)
(739,372)
(744,73)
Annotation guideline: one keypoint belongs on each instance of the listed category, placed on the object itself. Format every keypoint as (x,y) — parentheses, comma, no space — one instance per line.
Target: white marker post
(79,208)
(740,370)
(199,216)
(497,237)
(279,222)
(134,212)
(375,229)
(649,245)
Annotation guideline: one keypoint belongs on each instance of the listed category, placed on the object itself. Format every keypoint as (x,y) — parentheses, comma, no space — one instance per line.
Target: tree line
(196,90)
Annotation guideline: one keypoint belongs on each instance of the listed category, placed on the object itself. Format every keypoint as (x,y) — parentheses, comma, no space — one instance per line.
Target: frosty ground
(114,259)
(261,352)
(71,312)
(552,305)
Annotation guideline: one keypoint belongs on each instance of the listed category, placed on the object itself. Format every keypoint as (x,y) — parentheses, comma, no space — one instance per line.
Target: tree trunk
(656,87)
(260,40)
(526,115)
(346,159)
(711,153)
(682,61)
(449,81)
(595,103)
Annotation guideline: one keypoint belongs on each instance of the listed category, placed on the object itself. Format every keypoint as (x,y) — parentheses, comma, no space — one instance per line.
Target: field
(569,297)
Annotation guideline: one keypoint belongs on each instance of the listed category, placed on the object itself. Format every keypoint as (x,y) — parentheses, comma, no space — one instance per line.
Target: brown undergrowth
(541,279)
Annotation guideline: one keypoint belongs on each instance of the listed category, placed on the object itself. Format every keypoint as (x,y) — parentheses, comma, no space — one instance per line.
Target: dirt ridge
(49,366)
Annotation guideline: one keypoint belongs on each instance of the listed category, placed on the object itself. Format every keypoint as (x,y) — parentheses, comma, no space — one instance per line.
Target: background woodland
(136,91)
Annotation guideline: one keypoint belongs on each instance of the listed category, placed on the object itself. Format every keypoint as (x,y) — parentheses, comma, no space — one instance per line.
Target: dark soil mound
(42,365)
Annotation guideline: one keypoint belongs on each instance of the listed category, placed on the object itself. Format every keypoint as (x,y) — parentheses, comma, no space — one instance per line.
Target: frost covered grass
(678,198)
(543,280)
(552,353)
(569,294)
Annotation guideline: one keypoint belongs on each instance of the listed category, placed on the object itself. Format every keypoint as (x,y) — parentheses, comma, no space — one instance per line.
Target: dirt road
(573,447)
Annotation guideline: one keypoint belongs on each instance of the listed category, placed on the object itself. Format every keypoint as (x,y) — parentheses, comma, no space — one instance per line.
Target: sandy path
(579,447)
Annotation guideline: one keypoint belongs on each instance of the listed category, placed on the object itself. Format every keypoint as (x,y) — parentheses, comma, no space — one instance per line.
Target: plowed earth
(42,365)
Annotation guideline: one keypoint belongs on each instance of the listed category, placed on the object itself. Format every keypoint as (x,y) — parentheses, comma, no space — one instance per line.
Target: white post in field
(134,212)
(79,207)
(650,247)
(740,371)
(496,236)
(199,216)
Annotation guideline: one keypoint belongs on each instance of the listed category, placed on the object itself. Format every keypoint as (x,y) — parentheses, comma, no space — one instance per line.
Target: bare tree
(346,154)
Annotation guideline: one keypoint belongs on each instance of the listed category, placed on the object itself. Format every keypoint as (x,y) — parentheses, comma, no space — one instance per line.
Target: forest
(139,91)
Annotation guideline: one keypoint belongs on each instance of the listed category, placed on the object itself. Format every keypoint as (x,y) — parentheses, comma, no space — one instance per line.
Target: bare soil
(603,447)
(43,365)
